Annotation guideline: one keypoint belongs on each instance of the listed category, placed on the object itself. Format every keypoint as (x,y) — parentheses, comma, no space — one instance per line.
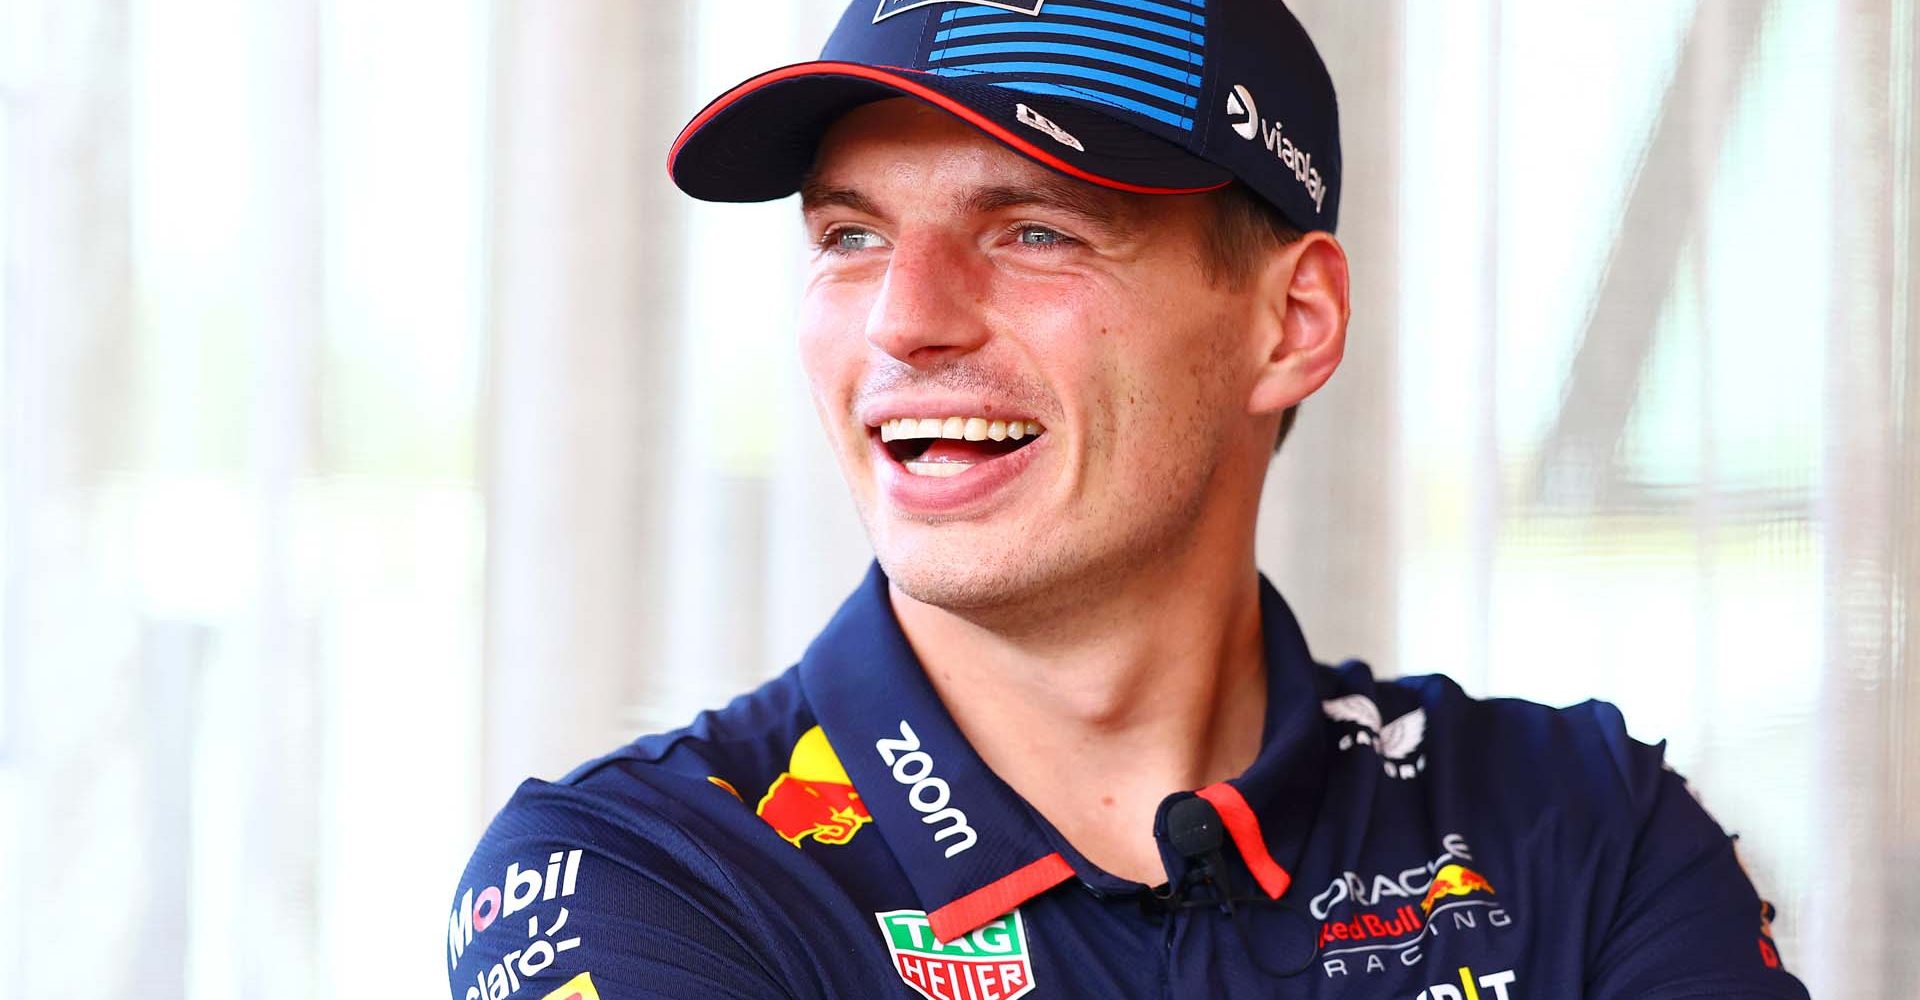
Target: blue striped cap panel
(1139,56)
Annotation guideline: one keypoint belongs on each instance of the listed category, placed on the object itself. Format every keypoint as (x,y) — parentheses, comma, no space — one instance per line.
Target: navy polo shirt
(832,835)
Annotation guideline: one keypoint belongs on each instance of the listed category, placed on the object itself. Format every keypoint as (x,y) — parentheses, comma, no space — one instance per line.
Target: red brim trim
(1244,827)
(998,898)
(912,88)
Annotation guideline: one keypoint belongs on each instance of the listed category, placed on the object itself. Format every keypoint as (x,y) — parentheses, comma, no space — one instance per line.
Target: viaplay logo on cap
(1248,124)
(888,8)
(1240,102)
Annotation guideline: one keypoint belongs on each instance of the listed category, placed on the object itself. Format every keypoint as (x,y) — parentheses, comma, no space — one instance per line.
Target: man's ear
(1301,321)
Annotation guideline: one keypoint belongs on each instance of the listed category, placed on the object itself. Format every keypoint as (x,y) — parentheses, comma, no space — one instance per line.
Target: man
(1072,271)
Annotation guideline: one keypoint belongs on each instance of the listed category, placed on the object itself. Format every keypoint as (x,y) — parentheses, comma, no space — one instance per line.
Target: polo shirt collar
(971,846)
(1270,809)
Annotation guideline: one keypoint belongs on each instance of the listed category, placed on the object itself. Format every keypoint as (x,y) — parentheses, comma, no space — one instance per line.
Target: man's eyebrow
(1065,196)
(815,196)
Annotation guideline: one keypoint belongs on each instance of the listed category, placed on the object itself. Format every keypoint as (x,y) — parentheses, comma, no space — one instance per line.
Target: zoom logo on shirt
(927,794)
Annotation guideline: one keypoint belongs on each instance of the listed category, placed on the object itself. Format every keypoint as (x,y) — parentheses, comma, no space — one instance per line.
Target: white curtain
(243,530)
(380,427)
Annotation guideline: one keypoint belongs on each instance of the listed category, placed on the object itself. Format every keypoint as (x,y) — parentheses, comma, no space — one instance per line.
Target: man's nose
(929,305)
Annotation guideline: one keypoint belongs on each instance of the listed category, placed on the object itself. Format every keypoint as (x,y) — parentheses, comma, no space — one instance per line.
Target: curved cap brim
(757,141)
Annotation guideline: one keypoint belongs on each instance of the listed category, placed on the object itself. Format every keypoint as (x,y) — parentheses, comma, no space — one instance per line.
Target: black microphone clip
(1196,832)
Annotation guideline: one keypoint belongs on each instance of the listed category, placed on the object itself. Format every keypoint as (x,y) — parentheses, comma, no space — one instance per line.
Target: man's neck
(1157,686)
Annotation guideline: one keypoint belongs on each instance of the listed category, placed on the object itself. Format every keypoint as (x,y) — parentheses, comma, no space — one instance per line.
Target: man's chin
(966,582)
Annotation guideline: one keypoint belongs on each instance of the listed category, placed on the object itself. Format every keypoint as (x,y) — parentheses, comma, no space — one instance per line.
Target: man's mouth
(948,446)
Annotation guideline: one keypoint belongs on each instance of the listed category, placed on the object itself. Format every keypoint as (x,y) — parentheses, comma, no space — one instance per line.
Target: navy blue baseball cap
(1147,96)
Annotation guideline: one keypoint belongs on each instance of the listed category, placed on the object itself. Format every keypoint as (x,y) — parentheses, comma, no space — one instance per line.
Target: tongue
(949,450)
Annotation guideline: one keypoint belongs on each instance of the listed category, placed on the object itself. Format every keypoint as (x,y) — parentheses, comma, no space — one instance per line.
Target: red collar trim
(999,897)
(1244,827)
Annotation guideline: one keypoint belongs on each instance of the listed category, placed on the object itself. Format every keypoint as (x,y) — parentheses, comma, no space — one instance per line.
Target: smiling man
(1072,271)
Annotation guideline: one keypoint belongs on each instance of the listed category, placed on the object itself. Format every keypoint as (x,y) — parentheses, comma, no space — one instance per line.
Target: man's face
(958,287)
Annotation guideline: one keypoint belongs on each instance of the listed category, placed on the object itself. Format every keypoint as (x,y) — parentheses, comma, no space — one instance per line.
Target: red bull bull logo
(814,798)
(1454,880)
(1769,955)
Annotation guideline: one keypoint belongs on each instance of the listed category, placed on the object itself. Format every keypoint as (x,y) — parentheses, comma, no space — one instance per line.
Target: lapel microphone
(1195,830)
(1197,833)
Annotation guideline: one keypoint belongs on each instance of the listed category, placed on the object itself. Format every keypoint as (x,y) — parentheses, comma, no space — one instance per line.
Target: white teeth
(938,470)
(957,429)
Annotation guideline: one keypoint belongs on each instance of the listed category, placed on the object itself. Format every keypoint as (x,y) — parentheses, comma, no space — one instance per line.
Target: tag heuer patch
(988,964)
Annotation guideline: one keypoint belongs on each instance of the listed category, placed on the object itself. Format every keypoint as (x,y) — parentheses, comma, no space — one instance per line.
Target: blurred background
(380,427)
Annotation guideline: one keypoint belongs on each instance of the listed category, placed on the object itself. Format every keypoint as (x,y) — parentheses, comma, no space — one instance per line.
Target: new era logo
(888,8)
(1035,119)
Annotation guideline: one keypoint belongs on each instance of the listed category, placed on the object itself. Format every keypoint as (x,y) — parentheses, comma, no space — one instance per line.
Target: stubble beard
(1021,577)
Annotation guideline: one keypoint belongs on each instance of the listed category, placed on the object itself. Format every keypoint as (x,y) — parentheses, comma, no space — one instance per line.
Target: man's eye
(849,240)
(1039,236)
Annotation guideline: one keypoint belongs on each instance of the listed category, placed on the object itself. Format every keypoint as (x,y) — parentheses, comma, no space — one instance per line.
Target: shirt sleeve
(559,903)
(1688,922)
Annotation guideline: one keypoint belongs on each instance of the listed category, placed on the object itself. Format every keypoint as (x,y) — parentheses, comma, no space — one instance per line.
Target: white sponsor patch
(1028,116)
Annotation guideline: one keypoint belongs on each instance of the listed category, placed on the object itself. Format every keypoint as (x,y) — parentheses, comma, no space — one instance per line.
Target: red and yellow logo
(1769,954)
(814,798)
(1454,880)
(579,987)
